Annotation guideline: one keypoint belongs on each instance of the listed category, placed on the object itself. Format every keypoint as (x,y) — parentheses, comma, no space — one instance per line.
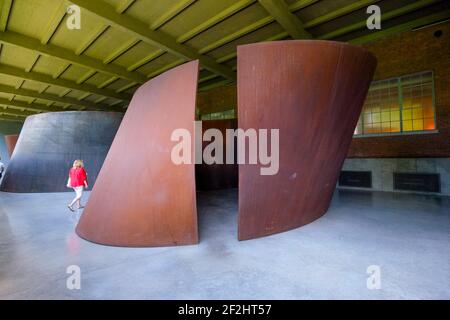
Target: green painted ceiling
(45,66)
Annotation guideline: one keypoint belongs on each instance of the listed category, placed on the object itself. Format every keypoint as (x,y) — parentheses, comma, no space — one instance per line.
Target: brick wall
(403,54)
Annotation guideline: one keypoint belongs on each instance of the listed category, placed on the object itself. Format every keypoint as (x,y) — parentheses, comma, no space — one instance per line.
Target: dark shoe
(70,208)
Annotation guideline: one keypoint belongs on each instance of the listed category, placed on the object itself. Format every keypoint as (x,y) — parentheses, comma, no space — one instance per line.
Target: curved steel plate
(50,142)
(141,197)
(11,141)
(313,92)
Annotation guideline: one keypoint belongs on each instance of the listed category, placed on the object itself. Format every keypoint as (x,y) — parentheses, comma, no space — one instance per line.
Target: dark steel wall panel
(217,176)
(50,142)
(141,197)
(313,92)
(11,141)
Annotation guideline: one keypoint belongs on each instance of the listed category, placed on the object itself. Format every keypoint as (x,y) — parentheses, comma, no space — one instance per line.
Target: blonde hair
(78,163)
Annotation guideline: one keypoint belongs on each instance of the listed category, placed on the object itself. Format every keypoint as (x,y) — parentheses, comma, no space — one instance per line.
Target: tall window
(399,105)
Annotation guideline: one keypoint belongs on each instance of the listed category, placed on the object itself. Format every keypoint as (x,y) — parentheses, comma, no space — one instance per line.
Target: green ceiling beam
(16,112)
(339,12)
(213,85)
(110,58)
(433,18)
(301,4)
(171,13)
(278,36)
(121,8)
(257,25)
(4,117)
(46,79)
(384,16)
(165,68)
(115,54)
(108,82)
(29,43)
(332,15)
(36,107)
(233,54)
(100,99)
(290,22)
(19,115)
(61,70)
(83,96)
(127,86)
(156,38)
(207,78)
(235,35)
(86,76)
(124,5)
(146,59)
(54,22)
(33,63)
(52,97)
(228,57)
(5,10)
(39,107)
(92,38)
(238,6)
(252,27)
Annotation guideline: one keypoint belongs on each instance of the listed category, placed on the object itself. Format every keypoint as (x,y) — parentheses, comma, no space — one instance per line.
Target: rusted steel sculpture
(313,92)
(141,197)
(50,142)
(11,141)
(217,176)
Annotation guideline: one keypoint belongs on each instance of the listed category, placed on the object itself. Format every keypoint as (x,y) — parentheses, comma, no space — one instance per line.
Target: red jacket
(77,177)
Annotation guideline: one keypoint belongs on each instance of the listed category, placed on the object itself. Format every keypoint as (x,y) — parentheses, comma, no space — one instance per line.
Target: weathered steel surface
(313,92)
(50,142)
(11,141)
(217,176)
(141,197)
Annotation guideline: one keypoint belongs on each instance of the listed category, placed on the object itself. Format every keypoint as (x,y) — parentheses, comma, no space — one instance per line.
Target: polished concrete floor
(406,236)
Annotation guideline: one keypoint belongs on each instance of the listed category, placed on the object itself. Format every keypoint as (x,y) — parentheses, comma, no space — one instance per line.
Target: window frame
(400,98)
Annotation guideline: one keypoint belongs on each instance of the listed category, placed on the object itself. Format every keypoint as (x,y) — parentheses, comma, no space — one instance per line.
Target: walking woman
(77,181)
